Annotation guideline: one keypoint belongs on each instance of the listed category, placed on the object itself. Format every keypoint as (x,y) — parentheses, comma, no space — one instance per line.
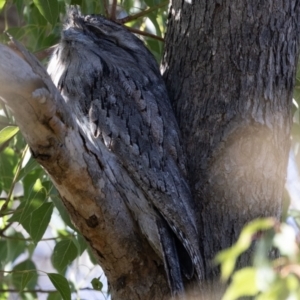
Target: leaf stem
(144,33)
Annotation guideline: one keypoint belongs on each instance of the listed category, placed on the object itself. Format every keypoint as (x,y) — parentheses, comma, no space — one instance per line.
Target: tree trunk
(229,68)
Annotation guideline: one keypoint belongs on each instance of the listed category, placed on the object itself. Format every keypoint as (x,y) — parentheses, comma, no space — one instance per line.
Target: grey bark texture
(229,68)
(133,269)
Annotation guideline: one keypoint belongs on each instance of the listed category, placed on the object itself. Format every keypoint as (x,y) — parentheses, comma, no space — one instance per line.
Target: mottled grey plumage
(114,89)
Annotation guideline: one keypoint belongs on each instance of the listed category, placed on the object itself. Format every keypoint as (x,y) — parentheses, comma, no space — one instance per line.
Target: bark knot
(92,221)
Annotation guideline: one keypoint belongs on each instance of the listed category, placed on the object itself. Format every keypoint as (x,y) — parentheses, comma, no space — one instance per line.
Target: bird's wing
(131,114)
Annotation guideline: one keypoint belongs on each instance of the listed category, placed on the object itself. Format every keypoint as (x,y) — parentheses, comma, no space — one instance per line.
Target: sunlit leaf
(61,285)
(35,196)
(243,284)
(63,254)
(4,295)
(2,3)
(265,277)
(8,132)
(8,162)
(277,291)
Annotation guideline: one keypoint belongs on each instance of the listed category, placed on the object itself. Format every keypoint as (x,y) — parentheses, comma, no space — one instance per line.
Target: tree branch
(113,10)
(144,33)
(142,13)
(83,175)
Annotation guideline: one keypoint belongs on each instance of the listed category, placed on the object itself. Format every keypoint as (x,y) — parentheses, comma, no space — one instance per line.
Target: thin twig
(106,12)
(113,10)
(142,13)
(7,213)
(40,55)
(144,33)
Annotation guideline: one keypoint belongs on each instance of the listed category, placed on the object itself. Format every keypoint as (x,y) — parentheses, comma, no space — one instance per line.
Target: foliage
(266,279)
(30,208)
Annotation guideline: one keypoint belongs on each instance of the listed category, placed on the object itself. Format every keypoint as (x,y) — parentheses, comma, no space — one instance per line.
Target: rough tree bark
(75,166)
(229,66)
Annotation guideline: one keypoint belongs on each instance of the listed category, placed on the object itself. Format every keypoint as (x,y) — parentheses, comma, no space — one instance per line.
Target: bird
(113,87)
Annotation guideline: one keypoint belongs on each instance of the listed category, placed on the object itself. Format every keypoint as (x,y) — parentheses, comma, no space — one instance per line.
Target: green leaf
(25,279)
(91,256)
(35,196)
(61,208)
(3,253)
(243,284)
(25,275)
(28,168)
(97,284)
(53,296)
(8,132)
(76,2)
(80,243)
(36,18)
(36,223)
(49,9)
(63,254)
(8,161)
(2,3)
(61,284)
(16,245)
(277,291)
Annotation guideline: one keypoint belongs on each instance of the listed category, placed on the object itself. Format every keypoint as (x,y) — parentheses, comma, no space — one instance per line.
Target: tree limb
(75,166)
